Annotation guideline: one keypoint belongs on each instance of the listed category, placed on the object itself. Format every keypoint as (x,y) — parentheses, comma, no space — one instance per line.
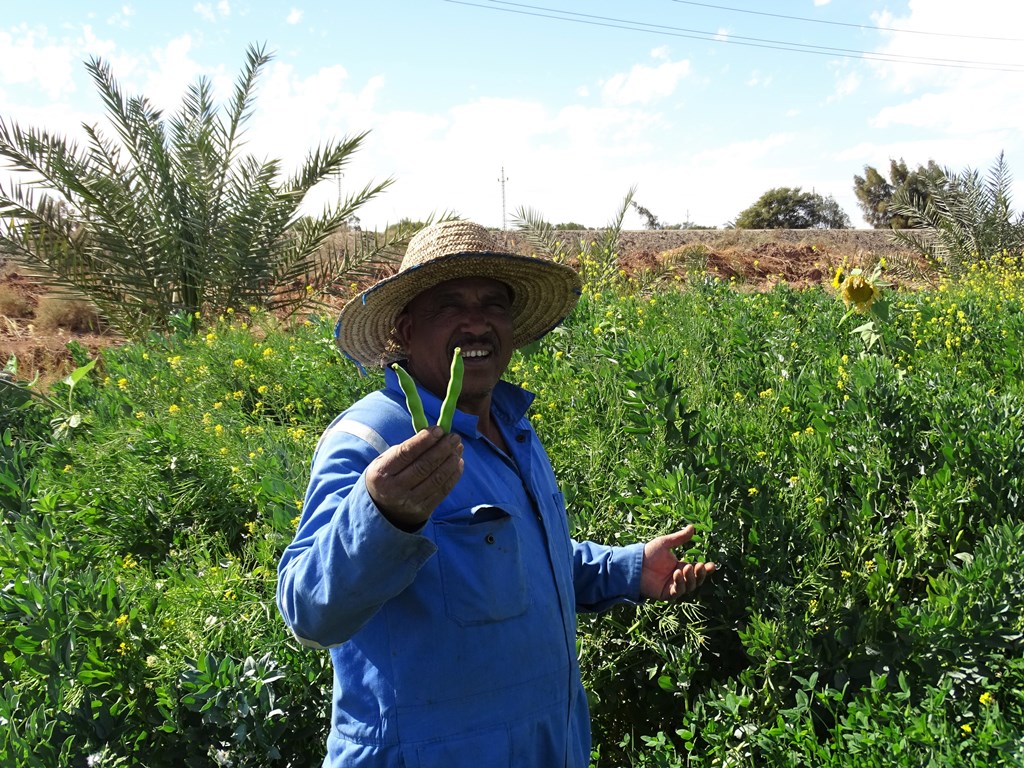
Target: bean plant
(861,503)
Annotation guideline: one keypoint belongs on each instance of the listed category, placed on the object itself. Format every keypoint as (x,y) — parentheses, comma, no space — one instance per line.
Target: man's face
(474,313)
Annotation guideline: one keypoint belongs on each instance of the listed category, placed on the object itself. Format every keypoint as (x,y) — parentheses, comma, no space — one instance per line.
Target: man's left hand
(664,576)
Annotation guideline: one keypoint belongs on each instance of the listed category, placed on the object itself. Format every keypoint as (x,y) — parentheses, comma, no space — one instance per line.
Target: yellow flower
(172,408)
(121,620)
(837,280)
(752,491)
(128,561)
(123,648)
(966,728)
(845,574)
(986,698)
(239,363)
(122,383)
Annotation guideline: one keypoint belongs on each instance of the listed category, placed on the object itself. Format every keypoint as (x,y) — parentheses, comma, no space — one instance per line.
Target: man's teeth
(475,353)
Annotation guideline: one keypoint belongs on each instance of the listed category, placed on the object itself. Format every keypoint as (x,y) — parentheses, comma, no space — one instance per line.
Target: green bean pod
(451,397)
(412,398)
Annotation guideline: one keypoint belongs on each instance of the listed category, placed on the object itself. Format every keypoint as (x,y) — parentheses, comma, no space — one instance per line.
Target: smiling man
(439,569)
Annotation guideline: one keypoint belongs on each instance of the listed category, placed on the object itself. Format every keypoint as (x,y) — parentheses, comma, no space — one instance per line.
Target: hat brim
(544,293)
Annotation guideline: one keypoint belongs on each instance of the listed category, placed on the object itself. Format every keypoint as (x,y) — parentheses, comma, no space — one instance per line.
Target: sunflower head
(859,292)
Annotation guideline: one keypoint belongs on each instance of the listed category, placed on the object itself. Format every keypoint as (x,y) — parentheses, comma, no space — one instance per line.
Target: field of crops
(859,491)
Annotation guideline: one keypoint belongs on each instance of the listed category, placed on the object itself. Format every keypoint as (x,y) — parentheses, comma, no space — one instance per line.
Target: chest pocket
(481,565)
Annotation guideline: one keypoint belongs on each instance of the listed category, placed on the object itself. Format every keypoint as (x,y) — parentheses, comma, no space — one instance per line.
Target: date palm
(962,217)
(170,216)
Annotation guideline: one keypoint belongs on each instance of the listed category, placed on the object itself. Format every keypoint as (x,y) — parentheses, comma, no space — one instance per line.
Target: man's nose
(475,316)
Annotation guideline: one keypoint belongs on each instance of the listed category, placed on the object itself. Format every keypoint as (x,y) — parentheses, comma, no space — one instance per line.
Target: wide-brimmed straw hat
(543,291)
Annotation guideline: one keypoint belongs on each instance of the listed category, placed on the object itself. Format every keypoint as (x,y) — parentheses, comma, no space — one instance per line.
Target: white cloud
(757,79)
(847,85)
(43,64)
(205,11)
(643,84)
(209,13)
(122,18)
(294,16)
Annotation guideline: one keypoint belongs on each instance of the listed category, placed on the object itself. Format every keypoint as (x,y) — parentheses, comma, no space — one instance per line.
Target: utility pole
(503,179)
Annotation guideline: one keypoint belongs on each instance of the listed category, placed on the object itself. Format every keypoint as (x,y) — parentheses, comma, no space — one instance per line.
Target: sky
(484,108)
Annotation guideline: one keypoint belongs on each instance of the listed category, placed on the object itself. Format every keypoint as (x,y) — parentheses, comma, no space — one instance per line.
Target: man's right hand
(410,479)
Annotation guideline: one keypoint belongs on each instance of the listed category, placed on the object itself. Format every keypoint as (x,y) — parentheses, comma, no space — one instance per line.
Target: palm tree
(170,216)
(962,217)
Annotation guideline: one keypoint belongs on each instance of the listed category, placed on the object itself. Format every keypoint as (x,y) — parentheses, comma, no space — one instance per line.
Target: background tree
(650,220)
(170,217)
(792,208)
(875,193)
(961,217)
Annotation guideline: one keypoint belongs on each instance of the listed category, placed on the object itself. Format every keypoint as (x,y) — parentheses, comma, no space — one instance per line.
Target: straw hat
(543,292)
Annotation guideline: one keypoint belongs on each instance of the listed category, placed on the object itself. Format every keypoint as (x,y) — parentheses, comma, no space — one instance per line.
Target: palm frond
(540,235)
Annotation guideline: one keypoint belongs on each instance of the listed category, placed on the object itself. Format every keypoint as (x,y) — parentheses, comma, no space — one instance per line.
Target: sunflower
(859,292)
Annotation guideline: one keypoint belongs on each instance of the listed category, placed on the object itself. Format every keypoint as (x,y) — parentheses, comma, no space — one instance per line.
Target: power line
(854,26)
(752,42)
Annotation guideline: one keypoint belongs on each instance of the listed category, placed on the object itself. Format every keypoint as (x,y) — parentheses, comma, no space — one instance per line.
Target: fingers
(409,480)
(688,577)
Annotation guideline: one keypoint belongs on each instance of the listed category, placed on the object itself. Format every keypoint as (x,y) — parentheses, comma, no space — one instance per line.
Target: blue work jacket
(454,645)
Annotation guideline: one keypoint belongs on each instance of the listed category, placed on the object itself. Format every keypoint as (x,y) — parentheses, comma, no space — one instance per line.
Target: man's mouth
(469,354)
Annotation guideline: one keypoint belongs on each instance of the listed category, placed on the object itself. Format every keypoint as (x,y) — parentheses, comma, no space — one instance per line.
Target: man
(439,568)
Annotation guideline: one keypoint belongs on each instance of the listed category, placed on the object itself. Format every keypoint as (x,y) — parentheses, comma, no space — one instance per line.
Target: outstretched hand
(664,576)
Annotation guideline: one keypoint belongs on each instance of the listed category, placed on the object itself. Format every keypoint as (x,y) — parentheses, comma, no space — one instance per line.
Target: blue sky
(694,104)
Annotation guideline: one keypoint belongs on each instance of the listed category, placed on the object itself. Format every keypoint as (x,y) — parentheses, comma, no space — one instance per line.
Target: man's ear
(403,330)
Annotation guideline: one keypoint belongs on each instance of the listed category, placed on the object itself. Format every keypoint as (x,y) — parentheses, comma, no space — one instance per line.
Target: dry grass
(14,303)
(70,314)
